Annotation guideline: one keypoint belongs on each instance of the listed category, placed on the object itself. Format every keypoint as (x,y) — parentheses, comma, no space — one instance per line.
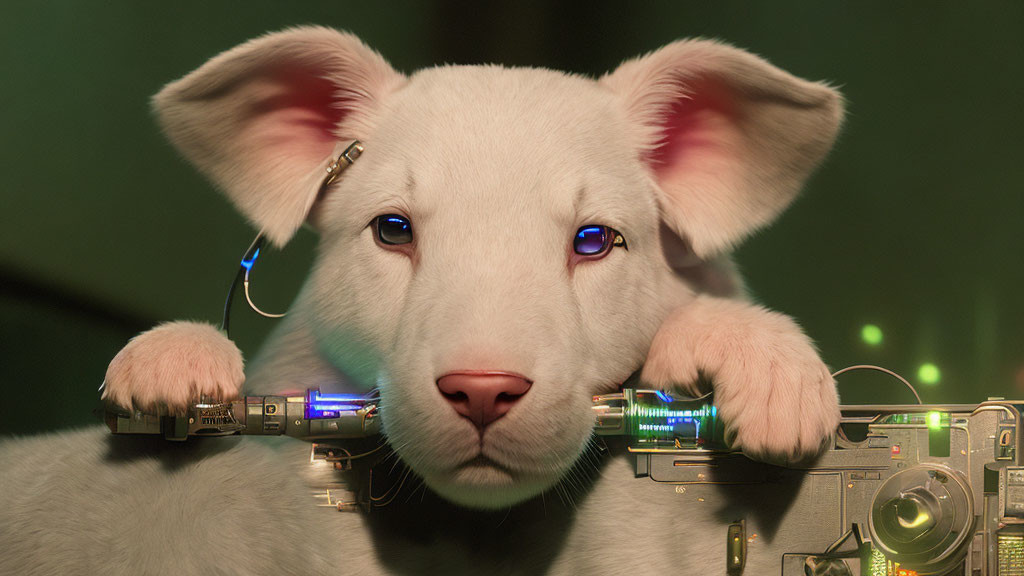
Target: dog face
(496,255)
(496,180)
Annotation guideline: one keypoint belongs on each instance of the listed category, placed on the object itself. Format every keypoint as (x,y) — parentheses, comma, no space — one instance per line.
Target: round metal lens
(394,229)
(590,240)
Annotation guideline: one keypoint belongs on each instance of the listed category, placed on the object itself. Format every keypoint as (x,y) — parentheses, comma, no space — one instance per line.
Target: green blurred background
(914,225)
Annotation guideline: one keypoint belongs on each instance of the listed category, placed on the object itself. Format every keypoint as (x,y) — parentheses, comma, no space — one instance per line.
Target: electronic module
(903,490)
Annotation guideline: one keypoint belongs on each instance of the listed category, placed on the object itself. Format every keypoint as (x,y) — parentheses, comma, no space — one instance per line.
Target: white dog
(511,242)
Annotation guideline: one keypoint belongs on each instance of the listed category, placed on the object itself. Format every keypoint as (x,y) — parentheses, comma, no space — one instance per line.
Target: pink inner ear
(699,133)
(295,115)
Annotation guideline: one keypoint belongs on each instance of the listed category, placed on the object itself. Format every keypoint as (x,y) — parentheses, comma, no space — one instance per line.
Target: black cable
(251,253)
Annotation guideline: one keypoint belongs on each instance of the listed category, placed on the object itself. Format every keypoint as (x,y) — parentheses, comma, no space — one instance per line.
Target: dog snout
(483,396)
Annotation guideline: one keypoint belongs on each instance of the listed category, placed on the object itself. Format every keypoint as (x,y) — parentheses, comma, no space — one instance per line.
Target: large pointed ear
(728,137)
(264,119)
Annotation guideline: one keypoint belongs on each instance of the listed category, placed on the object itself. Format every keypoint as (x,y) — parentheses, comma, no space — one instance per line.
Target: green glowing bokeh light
(871,334)
(929,373)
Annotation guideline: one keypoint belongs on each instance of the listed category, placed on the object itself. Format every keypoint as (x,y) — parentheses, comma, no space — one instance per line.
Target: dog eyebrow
(410,184)
(580,192)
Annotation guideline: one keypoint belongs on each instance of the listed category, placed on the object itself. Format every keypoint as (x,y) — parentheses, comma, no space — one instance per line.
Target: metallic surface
(253,415)
(967,497)
(947,478)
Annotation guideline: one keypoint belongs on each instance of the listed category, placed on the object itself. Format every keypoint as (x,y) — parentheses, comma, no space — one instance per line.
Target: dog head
(511,239)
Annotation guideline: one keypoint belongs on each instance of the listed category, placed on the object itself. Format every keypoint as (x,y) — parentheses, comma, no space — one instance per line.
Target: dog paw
(168,368)
(672,362)
(772,390)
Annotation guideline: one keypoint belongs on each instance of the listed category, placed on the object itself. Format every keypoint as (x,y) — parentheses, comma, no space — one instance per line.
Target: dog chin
(485,485)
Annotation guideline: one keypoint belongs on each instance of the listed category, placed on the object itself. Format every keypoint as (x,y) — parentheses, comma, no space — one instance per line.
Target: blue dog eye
(596,240)
(591,240)
(394,229)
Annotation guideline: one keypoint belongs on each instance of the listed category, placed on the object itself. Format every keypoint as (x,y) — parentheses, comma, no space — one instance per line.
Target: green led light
(929,373)
(878,565)
(871,334)
(934,420)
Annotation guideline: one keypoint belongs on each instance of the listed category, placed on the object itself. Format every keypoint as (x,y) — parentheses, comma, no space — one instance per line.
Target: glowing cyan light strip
(661,422)
(247,264)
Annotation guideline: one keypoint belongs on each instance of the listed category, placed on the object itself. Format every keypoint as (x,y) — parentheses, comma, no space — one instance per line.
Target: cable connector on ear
(347,158)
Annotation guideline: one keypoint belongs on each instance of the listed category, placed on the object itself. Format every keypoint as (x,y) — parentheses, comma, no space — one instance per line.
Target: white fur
(497,168)
(777,398)
(171,366)
(245,118)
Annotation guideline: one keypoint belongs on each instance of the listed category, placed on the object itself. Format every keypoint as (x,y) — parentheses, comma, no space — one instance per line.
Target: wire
(880,369)
(376,499)
(346,159)
(247,264)
(243,271)
(357,456)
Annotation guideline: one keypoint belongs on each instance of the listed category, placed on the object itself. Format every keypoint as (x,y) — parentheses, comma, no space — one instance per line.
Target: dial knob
(923,517)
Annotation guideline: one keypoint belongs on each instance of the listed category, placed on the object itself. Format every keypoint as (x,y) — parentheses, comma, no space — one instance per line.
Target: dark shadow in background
(54,349)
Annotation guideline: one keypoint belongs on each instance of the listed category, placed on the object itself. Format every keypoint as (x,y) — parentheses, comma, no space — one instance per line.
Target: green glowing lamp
(928,373)
(938,434)
(871,334)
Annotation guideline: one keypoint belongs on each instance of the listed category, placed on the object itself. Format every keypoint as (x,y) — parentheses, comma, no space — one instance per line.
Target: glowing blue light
(664,396)
(247,264)
(332,405)
(335,407)
(316,396)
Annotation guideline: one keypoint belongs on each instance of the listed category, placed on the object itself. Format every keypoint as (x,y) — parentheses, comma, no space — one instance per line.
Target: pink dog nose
(483,396)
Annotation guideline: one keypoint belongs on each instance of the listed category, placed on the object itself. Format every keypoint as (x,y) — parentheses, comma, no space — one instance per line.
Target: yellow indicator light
(871,334)
(922,517)
(929,373)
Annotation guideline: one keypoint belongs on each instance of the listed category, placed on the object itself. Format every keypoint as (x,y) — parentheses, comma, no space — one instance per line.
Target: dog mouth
(481,461)
(484,483)
(483,471)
